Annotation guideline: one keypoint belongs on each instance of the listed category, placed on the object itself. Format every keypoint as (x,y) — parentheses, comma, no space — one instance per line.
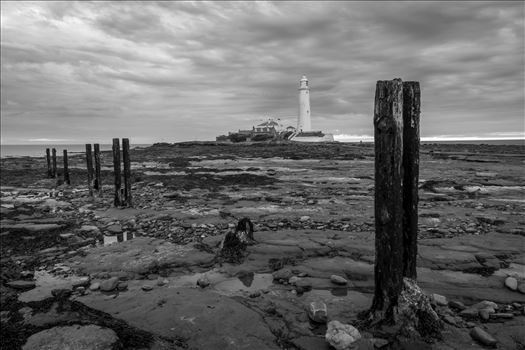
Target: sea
(40,150)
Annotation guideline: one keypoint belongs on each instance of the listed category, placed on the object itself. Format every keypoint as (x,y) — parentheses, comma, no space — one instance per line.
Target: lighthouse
(303,120)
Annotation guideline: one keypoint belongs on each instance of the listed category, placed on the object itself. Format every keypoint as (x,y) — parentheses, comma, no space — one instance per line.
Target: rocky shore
(75,271)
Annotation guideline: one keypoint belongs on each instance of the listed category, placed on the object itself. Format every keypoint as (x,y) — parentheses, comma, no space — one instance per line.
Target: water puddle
(45,283)
(224,284)
(121,237)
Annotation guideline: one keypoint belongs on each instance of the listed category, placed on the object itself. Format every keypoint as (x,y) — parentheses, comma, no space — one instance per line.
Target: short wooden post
(89,164)
(66,169)
(54,153)
(388,139)
(116,168)
(411,112)
(48,159)
(127,172)
(98,178)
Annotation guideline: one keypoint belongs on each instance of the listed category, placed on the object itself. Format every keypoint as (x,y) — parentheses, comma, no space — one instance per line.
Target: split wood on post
(116,167)
(66,169)
(89,164)
(411,112)
(127,172)
(98,178)
(48,159)
(54,155)
(388,139)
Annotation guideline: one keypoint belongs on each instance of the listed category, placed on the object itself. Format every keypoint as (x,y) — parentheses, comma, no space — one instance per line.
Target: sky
(79,72)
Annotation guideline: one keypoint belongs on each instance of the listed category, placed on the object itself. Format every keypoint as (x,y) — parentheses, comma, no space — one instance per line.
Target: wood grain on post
(54,155)
(388,139)
(127,172)
(66,169)
(411,112)
(98,178)
(89,165)
(116,169)
(48,159)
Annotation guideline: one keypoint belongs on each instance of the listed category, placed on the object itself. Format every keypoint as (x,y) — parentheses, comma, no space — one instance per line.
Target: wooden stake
(411,112)
(48,159)
(388,138)
(54,153)
(66,169)
(127,172)
(98,178)
(89,164)
(116,168)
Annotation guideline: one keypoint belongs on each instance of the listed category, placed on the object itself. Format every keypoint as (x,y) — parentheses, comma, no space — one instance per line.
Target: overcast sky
(177,71)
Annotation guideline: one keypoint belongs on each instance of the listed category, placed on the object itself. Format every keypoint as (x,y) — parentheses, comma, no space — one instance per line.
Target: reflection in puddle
(121,237)
(247,282)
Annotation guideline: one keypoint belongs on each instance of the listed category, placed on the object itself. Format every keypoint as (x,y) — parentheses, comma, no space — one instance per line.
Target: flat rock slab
(141,255)
(33,227)
(206,320)
(76,337)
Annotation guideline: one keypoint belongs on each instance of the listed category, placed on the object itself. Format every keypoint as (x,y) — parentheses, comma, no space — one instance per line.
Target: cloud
(193,70)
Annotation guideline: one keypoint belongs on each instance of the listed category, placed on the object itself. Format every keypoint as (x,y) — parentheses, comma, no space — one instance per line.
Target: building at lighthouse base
(311,136)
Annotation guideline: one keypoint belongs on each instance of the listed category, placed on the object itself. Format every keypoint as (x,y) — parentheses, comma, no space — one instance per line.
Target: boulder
(318,312)
(94,286)
(109,284)
(521,288)
(483,337)
(282,274)
(341,336)
(511,283)
(81,282)
(439,299)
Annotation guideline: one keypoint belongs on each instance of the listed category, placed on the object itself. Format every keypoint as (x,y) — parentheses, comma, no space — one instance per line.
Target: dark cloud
(192,70)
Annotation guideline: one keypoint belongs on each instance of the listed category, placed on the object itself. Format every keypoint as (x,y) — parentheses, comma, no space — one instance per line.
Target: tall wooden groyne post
(396,138)
(54,156)
(89,165)
(66,168)
(98,179)
(122,195)
(48,160)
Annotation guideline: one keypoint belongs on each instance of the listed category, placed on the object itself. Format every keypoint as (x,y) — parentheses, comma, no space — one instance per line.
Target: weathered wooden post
(89,165)
(388,139)
(66,169)
(116,168)
(411,112)
(98,178)
(127,172)
(54,153)
(48,159)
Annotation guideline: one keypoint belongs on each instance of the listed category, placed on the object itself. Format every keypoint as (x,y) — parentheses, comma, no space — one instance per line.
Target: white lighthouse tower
(303,121)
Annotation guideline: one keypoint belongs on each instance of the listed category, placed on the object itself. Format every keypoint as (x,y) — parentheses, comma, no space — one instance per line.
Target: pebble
(304,218)
(203,282)
(109,284)
(147,288)
(504,315)
(338,280)
(483,337)
(255,294)
(122,286)
(470,313)
(293,280)
(511,283)
(318,312)
(94,286)
(484,314)
(341,336)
